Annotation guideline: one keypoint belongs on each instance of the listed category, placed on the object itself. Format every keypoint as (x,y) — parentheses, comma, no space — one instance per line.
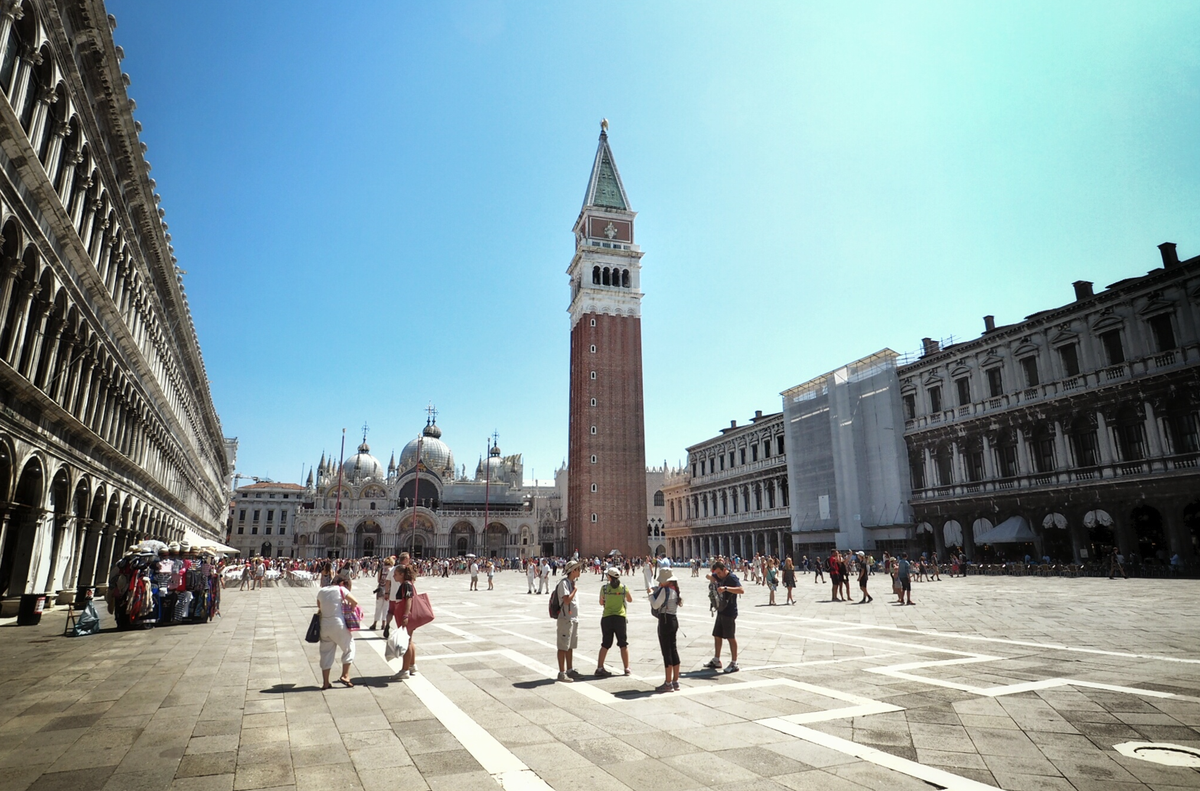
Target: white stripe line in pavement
(454,630)
(936,777)
(496,759)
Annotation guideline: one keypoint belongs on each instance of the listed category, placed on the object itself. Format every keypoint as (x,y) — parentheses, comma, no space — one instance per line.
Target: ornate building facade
(1073,431)
(108,433)
(606,507)
(732,498)
(431,509)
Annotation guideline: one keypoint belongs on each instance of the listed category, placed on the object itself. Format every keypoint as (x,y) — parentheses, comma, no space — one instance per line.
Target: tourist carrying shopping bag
(413,612)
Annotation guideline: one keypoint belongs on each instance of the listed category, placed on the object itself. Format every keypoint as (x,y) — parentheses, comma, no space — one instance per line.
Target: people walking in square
(404,597)
(544,579)
(491,575)
(531,574)
(666,603)
(772,580)
(835,574)
(789,580)
(1116,563)
(568,621)
(613,621)
(818,570)
(334,634)
(383,588)
(474,575)
(727,587)
(904,577)
(864,573)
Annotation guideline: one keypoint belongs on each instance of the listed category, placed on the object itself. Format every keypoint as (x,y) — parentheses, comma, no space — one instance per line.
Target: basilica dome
(494,465)
(362,465)
(435,453)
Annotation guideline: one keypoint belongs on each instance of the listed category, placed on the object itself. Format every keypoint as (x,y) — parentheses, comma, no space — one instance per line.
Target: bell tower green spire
(604,188)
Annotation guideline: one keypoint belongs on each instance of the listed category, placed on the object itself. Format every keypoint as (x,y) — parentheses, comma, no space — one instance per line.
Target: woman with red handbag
(332,601)
(404,599)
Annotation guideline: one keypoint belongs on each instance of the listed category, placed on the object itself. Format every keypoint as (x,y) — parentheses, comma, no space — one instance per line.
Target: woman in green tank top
(613,597)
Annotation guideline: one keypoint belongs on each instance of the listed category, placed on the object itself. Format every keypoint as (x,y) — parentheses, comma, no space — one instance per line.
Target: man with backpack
(566,612)
(723,589)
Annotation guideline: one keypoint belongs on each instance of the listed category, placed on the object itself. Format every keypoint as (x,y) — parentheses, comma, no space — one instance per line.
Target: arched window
(625,278)
(658,498)
(606,277)
(596,275)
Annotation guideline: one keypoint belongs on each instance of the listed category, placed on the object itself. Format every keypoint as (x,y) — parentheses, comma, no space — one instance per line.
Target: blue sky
(374,201)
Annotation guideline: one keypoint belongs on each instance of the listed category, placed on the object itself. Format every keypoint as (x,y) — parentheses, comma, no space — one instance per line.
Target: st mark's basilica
(433,508)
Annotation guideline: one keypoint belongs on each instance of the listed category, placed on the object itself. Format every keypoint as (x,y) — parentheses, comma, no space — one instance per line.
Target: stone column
(4,522)
(1104,439)
(12,270)
(12,349)
(60,374)
(1060,447)
(77,556)
(1025,468)
(12,12)
(51,354)
(989,459)
(21,79)
(40,317)
(104,553)
(1154,438)
(41,117)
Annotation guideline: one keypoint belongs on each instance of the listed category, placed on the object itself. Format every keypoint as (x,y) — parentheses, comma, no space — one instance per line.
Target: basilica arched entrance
(367,537)
(331,540)
(462,538)
(496,540)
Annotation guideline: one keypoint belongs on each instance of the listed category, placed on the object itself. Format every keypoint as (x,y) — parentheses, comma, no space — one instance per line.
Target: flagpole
(487,477)
(412,545)
(337,506)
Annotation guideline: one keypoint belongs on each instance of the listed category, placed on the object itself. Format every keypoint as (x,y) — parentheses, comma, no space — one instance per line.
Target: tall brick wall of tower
(619,443)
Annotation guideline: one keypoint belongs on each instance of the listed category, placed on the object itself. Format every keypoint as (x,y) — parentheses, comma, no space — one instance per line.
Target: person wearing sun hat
(665,601)
(613,598)
(568,621)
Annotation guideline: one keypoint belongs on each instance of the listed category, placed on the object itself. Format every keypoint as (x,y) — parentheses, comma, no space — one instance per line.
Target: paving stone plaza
(1017,683)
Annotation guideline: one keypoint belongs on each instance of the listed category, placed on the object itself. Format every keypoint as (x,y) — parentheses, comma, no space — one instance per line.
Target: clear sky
(374,200)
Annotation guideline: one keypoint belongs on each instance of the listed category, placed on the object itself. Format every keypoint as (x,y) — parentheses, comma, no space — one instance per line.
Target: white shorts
(568,634)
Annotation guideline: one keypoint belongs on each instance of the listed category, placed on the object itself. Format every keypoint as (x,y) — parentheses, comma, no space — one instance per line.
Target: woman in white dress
(334,633)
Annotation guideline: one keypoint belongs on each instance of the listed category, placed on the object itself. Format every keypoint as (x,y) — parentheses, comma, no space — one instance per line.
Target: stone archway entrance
(496,540)
(27,513)
(1147,526)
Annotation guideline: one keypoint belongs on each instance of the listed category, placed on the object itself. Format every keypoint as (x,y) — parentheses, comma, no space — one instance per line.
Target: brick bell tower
(606,496)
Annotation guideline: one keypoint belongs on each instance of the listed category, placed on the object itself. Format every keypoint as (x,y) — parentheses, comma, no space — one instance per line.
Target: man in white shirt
(544,579)
(531,572)
(474,575)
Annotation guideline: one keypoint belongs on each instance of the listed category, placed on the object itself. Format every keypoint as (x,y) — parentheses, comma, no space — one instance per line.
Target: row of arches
(45,335)
(605,276)
(743,498)
(1153,532)
(61,527)
(421,537)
